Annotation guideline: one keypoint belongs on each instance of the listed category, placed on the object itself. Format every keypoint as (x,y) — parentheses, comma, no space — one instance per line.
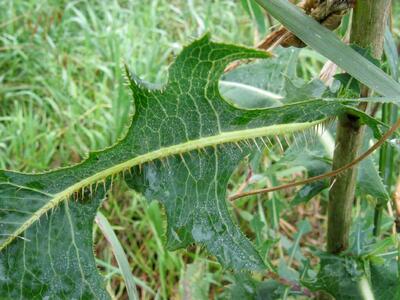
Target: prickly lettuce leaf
(183,143)
(347,278)
(385,280)
(53,259)
(369,180)
(261,84)
(245,287)
(341,277)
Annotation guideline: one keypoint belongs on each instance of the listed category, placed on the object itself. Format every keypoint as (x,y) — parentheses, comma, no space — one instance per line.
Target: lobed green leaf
(183,143)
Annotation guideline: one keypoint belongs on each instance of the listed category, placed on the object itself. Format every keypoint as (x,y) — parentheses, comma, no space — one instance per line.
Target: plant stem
(368,27)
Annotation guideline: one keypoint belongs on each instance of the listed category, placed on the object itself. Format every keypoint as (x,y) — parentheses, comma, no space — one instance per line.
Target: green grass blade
(329,45)
(120,256)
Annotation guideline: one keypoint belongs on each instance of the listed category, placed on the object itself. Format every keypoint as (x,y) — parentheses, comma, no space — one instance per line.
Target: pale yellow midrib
(222,138)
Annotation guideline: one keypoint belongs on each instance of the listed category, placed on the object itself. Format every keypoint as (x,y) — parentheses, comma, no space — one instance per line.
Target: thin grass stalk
(386,165)
(387,154)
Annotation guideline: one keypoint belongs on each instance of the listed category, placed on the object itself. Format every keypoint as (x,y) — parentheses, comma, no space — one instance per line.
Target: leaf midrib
(204,142)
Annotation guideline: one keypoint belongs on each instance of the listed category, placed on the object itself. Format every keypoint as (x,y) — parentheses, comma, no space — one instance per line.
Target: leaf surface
(183,144)
(346,278)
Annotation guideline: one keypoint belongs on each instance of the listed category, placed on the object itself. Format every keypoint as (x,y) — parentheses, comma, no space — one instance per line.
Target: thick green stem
(349,135)
(368,27)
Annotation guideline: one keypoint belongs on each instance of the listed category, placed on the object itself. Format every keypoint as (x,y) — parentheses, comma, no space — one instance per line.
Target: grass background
(62,94)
